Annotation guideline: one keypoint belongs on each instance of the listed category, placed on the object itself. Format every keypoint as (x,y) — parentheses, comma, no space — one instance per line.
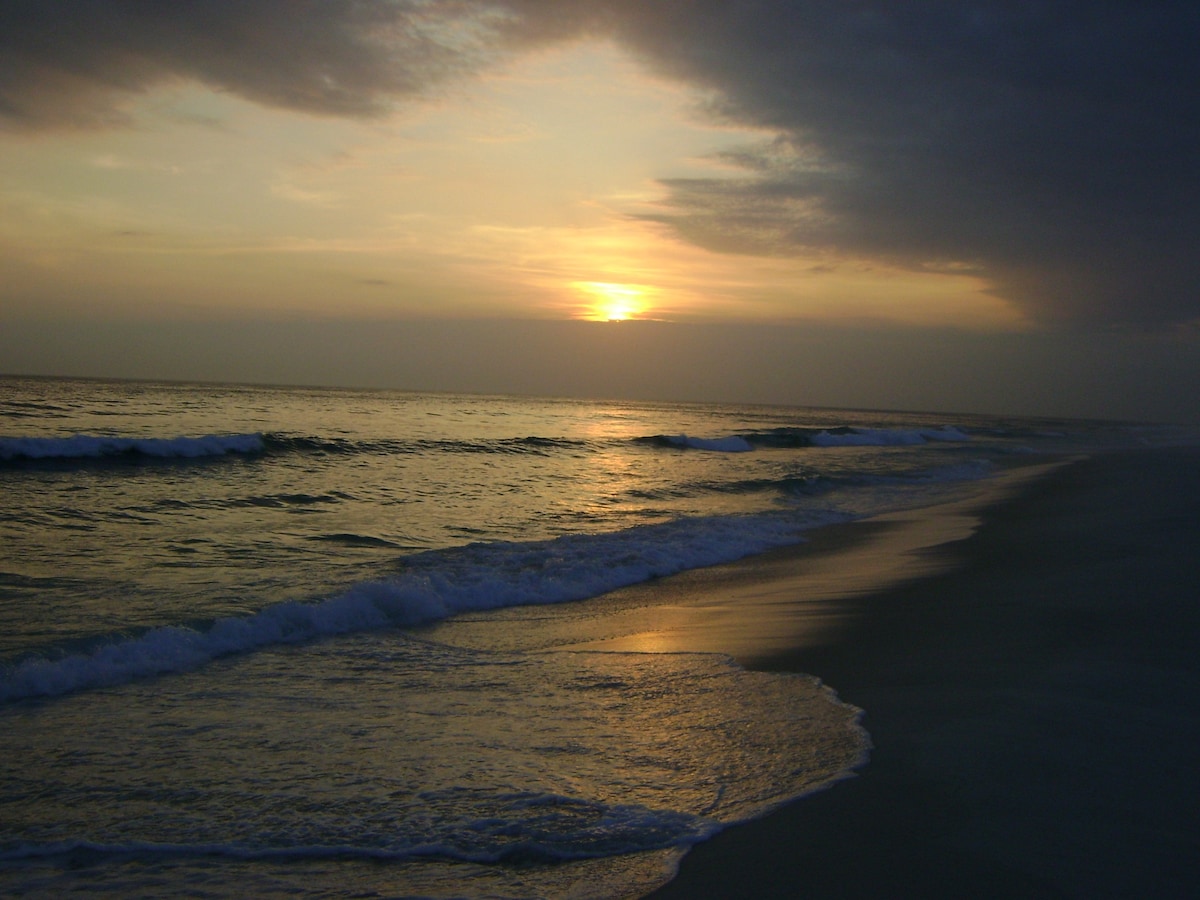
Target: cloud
(1049,147)
(77,63)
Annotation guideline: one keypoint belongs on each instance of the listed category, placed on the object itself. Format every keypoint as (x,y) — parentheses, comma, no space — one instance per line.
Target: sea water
(213,681)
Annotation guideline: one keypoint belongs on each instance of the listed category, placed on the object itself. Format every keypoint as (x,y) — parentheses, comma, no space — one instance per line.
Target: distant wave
(544,446)
(17,409)
(534,445)
(93,447)
(85,448)
(784,437)
(434,585)
(886,437)
(356,540)
(813,484)
(732,444)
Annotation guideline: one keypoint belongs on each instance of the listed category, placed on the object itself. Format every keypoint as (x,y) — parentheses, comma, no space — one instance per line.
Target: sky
(960,206)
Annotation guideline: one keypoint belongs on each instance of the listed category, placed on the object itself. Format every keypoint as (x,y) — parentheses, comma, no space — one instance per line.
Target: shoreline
(1033,698)
(751,609)
(770,604)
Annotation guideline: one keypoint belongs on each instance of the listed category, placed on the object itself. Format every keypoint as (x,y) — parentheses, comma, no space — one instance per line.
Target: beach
(1033,702)
(520,647)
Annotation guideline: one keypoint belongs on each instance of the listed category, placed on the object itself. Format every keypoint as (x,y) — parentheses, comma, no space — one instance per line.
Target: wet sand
(754,609)
(1032,689)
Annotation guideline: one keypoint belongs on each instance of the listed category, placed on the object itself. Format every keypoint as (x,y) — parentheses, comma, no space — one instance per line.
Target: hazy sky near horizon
(972,205)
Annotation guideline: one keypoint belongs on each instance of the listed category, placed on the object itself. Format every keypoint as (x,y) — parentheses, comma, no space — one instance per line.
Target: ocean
(216,676)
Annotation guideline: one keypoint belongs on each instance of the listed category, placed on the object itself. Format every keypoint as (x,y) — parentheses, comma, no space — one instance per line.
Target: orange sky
(517,195)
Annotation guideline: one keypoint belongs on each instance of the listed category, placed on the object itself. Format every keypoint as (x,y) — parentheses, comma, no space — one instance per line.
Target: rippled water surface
(208,678)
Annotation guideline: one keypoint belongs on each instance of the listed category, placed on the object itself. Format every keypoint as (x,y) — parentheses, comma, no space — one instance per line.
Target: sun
(611,302)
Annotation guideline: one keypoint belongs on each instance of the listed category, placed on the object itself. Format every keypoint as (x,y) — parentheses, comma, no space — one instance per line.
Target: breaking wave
(433,585)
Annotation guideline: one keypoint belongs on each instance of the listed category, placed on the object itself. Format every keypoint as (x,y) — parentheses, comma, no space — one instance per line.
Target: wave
(284,443)
(783,437)
(809,484)
(522,826)
(83,448)
(99,447)
(732,444)
(356,540)
(786,437)
(886,437)
(432,585)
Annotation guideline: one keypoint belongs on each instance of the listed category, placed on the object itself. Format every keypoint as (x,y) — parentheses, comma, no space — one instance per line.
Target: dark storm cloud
(1051,147)
(72,63)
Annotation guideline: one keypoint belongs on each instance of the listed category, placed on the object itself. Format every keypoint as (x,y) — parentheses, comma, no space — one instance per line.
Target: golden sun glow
(610,302)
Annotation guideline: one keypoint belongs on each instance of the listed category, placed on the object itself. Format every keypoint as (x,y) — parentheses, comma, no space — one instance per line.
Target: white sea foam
(435,585)
(84,446)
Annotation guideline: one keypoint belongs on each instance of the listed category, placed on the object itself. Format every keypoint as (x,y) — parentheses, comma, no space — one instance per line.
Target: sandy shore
(1032,690)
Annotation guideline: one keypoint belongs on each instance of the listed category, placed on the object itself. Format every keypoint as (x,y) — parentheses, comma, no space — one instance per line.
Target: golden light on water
(611,302)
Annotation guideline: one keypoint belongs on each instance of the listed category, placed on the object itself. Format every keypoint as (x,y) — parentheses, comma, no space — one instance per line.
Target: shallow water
(380,748)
